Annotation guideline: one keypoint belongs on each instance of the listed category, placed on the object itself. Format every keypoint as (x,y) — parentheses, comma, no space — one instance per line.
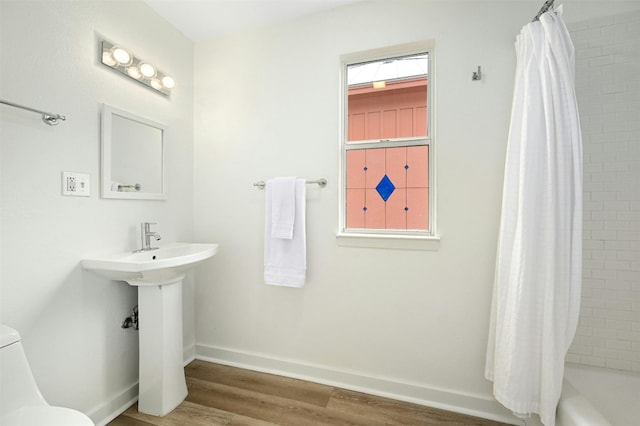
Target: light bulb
(147,70)
(155,83)
(134,72)
(168,82)
(107,58)
(121,56)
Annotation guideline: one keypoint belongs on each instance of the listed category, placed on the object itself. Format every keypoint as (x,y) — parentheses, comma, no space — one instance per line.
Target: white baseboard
(109,410)
(189,354)
(474,405)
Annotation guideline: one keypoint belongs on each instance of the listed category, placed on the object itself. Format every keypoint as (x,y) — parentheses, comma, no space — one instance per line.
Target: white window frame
(387,238)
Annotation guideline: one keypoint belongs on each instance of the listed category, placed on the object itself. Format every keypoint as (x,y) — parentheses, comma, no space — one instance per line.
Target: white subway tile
(632,256)
(619,344)
(632,336)
(605,275)
(618,265)
(593,361)
(604,254)
(618,364)
(628,355)
(593,205)
(593,244)
(628,236)
(574,358)
(618,325)
(618,225)
(633,316)
(617,245)
(618,305)
(595,323)
(627,215)
(624,18)
(593,283)
(581,349)
(606,21)
(606,353)
(615,205)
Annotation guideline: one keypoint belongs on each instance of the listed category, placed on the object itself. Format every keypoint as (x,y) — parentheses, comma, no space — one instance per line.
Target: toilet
(21,403)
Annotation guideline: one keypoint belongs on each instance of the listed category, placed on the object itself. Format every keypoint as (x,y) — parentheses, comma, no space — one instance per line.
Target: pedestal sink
(158,274)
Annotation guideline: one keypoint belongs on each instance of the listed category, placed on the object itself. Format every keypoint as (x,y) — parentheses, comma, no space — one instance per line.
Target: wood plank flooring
(222,395)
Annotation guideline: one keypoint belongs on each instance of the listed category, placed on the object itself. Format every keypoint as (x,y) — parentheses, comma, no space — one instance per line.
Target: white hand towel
(285,261)
(282,192)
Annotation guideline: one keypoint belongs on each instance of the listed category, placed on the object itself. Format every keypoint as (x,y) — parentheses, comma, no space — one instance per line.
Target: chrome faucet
(146,234)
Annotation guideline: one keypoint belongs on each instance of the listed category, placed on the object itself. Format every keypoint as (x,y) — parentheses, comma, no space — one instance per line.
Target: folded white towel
(285,260)
(282,192)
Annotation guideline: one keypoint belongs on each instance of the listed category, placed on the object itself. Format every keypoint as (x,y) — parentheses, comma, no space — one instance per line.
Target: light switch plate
(76,184)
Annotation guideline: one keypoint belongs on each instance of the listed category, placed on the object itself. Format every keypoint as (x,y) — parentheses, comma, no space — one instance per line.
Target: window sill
(403,242)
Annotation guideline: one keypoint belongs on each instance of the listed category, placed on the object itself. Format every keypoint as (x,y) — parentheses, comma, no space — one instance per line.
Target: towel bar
(321,182)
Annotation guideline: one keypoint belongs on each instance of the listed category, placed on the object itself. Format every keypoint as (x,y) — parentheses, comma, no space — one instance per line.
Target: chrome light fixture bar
(120,59)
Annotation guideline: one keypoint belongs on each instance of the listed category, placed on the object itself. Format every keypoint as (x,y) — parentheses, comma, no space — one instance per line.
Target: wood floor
(222,395)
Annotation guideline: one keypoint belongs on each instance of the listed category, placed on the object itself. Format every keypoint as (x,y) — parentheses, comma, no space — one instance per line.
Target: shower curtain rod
(321,182)
(49,118)
(545,7)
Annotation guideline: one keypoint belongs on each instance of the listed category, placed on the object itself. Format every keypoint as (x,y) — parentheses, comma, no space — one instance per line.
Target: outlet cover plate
(76,184)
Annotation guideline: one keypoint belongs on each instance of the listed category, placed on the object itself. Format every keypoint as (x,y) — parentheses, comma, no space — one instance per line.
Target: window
(386,143)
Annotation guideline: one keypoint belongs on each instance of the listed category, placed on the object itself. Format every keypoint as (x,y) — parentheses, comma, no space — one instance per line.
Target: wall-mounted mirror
(133,156)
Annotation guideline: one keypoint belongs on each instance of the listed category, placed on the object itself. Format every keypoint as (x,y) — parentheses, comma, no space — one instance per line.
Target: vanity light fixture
(120,59)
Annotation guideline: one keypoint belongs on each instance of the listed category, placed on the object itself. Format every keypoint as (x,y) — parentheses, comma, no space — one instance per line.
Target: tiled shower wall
(608,91)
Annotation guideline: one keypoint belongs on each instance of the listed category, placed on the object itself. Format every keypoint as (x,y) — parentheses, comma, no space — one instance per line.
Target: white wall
(266,105)
(408,323)
(69,318)
(607,64)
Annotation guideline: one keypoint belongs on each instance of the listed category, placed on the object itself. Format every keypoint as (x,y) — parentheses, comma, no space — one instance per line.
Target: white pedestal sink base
(162,383)
(158,274)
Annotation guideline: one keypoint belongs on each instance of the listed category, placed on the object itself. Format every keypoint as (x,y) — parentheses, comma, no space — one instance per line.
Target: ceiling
(203,19)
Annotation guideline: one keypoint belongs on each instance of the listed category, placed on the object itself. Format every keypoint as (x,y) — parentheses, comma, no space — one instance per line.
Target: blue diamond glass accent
(406,209)
(365,168)
(385,188)
(364,208)
(406,166)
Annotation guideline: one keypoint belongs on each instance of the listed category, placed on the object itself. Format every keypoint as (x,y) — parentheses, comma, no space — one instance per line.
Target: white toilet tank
(21,402)
(18,388)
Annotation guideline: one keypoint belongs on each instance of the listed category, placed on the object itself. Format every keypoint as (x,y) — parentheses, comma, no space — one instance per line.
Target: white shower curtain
(537,285)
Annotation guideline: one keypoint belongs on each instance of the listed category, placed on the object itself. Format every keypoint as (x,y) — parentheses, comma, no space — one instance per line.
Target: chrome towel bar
(321,182)
(48,117)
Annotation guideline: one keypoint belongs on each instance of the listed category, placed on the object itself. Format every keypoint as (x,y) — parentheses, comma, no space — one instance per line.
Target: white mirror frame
(106,156)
